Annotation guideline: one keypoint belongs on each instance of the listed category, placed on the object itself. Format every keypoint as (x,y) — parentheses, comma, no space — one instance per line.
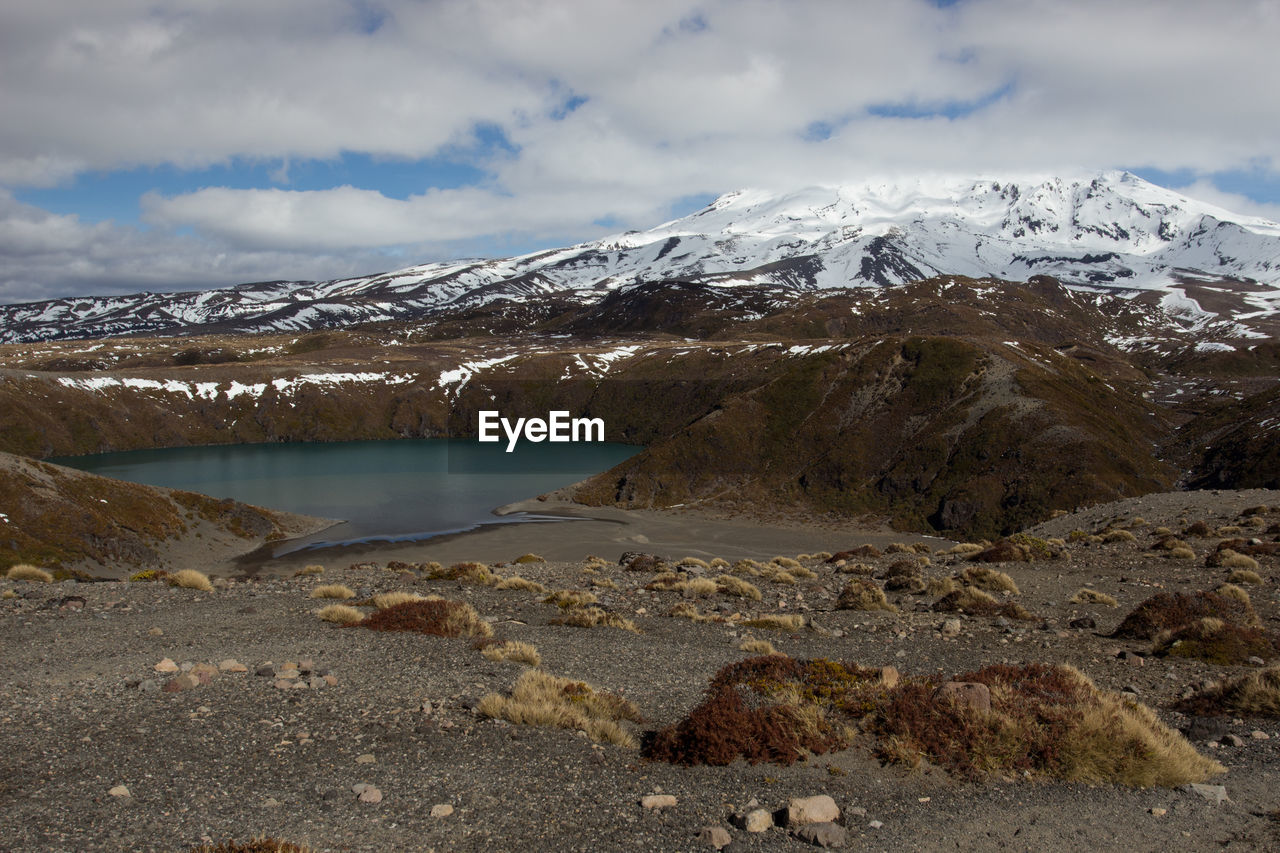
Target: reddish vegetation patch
(1223,644)
(1002,552)
(1166,611)
(440,618)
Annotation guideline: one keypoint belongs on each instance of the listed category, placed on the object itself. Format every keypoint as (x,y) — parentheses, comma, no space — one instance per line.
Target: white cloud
(682,98)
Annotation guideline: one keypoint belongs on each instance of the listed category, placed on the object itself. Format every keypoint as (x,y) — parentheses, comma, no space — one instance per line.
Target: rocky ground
(138,716)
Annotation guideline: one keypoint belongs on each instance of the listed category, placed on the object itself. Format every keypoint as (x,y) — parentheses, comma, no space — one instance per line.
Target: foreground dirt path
(83,710)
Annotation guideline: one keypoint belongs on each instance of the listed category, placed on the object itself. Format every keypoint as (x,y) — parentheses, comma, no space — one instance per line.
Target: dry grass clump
(333,590)
(603,583)
(529,558)
(975,602)
(256,845)
(1003,551)
(1180,553)
(756,647)
(513,650)
(863,594)
(730,585)
(437,617)
(692,562)
(541,699)
(1230,530)
(467,572)
(190,579)
(25,572)
(307,571)
(775,574)
(1244,576)
(1111,537)
(342,614)
(696,587)
(517,582)
(1229,559)
(1092,596)
(1198,529)
(383,600)
(567,598)
(787,563)
(962,549)
(989,579)
(1168,611)
(856,569)
(937,587)
(750,568)
(689,610)
(802,573)
(718,563)
(1215,641)
(777,622)
(665,580)
(1255,694)
(594,617)
(898,548)
(644,563)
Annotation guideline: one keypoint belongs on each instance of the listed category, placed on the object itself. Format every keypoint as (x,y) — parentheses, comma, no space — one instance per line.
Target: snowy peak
(1107,231)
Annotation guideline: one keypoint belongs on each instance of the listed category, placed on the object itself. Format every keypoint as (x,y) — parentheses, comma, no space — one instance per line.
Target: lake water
(383,490)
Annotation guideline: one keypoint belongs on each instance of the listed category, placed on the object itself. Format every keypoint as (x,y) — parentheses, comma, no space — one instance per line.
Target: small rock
(950,627)
(120,791)
(283,683)
(370,795)
(757,820)
(817,809)
(186,681)
(288,672)
(316,682)
(657,801)
(306,665)
(1231,740)
(714,836)
(889,676)
(441,810)
(1258,734)
(1216,794)
(367,758)
(358,788)
(271,803)
(149,685)
(156,632)
(1254,660)
(1083,623)
(204,672)
(266,671)
(232,665)
(331,680)
(970,694)
(857,811)
(1158,812)
(875,824)
(166,665)
(822,834)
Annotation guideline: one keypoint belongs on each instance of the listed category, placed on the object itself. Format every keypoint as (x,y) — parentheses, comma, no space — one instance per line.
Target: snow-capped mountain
(1107,231)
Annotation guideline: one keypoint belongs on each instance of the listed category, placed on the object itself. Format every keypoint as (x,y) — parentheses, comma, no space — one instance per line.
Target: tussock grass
(1255,694)
(307,571)
(569,598)
(603,583)
(257,845)
(756,647)
(1235,593)
(664,580)
(383,600)
(730,585)
(696,587)
(517,582)
(513,650)
(594,617)
(1230,530)
(688,610)
(1244,576)
(25,572)
(467,572)
(693,562)
(1092,596)
(748,567)
(437,617)
(342,614)
(989,580)
(774,574)
(1111,537)
(898,548)
(968,599)
(148,575)
(529,558)
(719,563)
(863,594)
(777,622)
(937,587)
(1002,552)
(190,579)
(962,549)
(802,573)
(856,569)
(1215,641)
(1167,611)
(1180,553)
(1228,559)
(788,563)
(333,590)
(541,699)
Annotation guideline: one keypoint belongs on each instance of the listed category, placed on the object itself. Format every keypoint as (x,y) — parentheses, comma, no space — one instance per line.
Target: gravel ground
(82,710)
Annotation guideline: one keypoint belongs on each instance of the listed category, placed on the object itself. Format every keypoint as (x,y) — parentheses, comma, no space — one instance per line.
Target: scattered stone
(266,671)
(1231,740)
(204,672)
(657,801)
(283,684)
(1216,794)
(166,665)
(441,810)
(1083,623)
(875,824)
(149,685)
(714,836)
(950,627)
(156,632)
(757,820)
(232,665)
(1158,812)
(1132,658)
(271,803)
(889,676)
(370,795)
(186,681)
(367,758)
(358,788)
(822,834)
(331,680)
(1254,660)
(816,809)
(120,791)
(287,672)
(316,682)
(965,694)
(1258,734)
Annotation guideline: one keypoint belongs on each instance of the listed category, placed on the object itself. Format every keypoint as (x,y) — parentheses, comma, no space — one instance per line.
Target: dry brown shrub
(1229,559)
(1198,529)
(693,562)
(1183,553)
(962,549)
(190,579)
(306,571)
(541,699)
(938,587)
(1002,552)
(787,563)
(862,594)
(750,568)
(696,587)
(1254,694)
(437,617)
(465,572)
(898,548)
(594,617)
(1215,641)
(666,580)
(1167,611)
(967,600)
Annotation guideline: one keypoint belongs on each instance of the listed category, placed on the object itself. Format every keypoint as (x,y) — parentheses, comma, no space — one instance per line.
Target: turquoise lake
(382,490)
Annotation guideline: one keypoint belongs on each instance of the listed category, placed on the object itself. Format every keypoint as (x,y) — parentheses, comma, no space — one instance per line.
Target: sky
(152,145)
